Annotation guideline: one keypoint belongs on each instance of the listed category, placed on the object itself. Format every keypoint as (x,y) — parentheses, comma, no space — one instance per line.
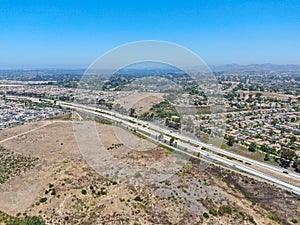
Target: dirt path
(34,129)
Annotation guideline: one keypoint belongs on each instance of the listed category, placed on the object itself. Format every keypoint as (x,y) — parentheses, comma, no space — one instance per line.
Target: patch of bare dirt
(141,102)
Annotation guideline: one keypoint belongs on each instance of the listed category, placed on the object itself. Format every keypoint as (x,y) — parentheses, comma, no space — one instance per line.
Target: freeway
(153,132)
(183,142)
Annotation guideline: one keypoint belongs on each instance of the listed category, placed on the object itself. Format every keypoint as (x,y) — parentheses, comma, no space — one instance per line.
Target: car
(286,172)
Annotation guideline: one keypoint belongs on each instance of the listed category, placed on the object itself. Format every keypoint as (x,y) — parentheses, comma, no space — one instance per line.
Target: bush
(84,192)
(102,192)
(272,216)
(224,209)
(205,215)
(33,221)
(138,199)
(249,195)
(43,200)
(294,220)
(251,219)
(213,212)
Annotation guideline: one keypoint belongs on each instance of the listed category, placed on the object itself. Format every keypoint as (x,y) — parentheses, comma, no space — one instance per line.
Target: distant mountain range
(268,67)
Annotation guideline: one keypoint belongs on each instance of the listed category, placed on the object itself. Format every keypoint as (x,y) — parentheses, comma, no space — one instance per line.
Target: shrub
(213,212)
(138,199)
(272,216)
(249,195)
(102,192)
(43,200)
(224,209)
(205,215)
(294,220)
(84,192)
(33,221)
(251,219)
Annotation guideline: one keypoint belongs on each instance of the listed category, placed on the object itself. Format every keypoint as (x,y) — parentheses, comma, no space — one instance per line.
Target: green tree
(131,112)
(252,147)
(231,140)
(293,139)
(267,157)
(172,141)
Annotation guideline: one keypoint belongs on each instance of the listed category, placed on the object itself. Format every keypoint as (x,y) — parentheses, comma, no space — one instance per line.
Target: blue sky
(70,33)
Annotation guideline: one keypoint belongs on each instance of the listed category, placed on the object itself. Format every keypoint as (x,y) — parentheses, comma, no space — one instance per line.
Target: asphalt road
(153,131)
(183,142)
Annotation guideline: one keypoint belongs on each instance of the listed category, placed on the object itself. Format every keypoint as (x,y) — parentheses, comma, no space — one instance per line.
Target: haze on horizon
(72,34)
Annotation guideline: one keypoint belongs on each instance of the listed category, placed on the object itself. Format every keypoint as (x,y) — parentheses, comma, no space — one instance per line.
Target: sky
(72,34)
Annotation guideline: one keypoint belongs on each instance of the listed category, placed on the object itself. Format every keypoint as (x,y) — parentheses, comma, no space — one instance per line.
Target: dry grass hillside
(46,179)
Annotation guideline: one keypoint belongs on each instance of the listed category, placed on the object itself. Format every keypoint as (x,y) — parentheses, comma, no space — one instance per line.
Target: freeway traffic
(182,142)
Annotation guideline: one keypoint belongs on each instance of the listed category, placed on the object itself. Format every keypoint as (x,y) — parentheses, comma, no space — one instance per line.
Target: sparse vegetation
(86,193)
(225,209)
(42,200)
(13,164)
(205,215)
(272,216)
(294,220)
(138,199)
(6,219)
(213,212)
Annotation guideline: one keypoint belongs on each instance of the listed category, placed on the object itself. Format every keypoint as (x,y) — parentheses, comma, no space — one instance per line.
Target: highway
(189,145)
(183,142)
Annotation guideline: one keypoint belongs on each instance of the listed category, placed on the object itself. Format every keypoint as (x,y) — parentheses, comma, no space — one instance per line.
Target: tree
(167,122)
(229,115)
(131,112)
(286,157)
(293,139)
(288,154)
(160,137)
(231,140)
(272,132)
(267,157)
(172,141)
(296,164)
(258,95)
(252,147)
(264,148)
